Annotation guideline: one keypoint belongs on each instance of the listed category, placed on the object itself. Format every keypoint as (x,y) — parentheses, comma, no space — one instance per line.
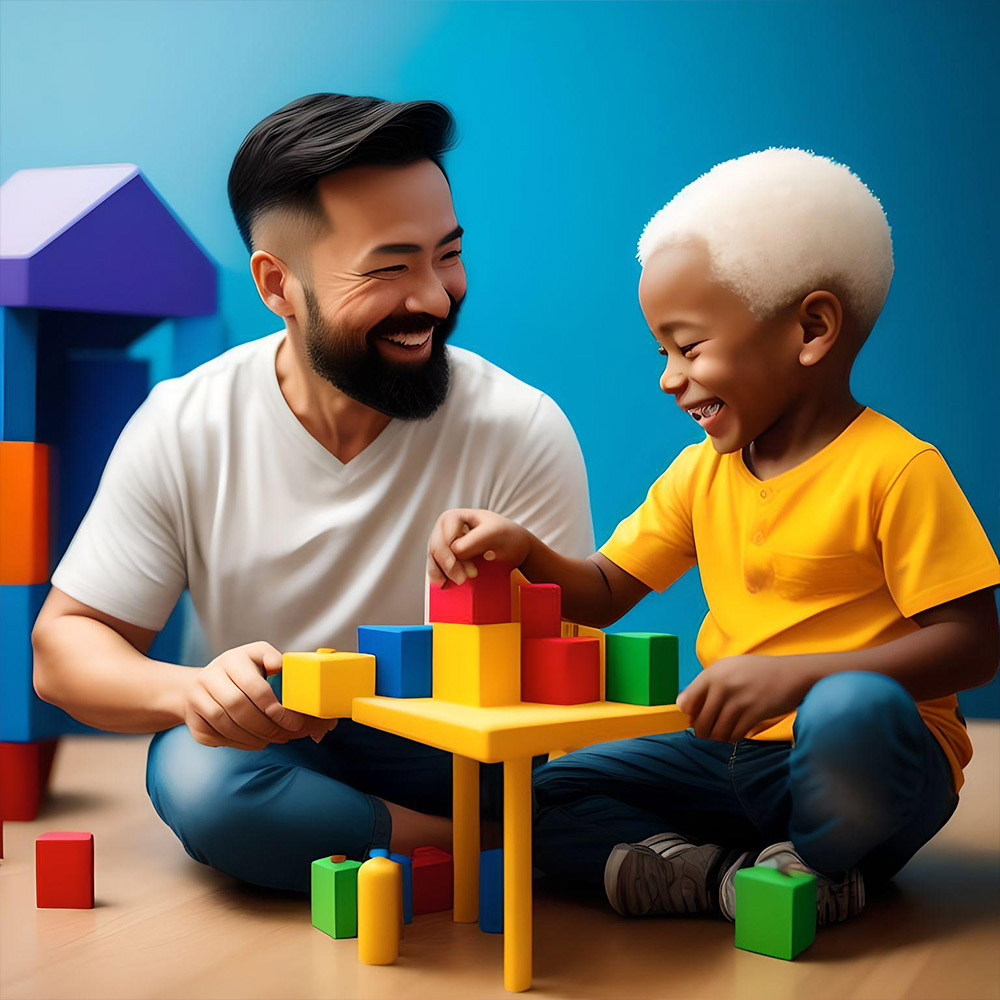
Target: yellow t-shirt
(835,554)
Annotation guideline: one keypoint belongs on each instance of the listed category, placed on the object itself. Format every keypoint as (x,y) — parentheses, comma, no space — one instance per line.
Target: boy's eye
(687,347)
(662,350)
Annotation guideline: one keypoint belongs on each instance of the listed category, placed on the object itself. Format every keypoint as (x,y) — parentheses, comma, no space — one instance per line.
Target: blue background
(578,121)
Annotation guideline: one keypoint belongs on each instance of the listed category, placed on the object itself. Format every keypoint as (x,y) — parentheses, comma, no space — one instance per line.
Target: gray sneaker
(667,874)
(837,897)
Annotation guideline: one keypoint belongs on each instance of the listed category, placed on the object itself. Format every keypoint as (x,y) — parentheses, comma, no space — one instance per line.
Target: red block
(433,880)
(64,871)
(560,671)
(541,610)
(24,776)
(482,600)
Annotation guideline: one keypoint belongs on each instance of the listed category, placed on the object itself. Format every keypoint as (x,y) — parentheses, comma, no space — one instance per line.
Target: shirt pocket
(799,576)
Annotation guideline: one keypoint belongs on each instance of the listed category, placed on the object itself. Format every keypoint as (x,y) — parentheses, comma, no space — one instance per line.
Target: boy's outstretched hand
(462,534)
(726,700)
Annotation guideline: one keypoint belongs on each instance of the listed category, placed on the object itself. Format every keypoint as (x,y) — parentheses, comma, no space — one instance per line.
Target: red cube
(433,880)
(541,610)
(64,870)
(481,600)
(561,671)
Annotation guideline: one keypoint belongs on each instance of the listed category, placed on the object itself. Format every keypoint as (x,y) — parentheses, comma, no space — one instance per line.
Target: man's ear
(271,275)
(821,317)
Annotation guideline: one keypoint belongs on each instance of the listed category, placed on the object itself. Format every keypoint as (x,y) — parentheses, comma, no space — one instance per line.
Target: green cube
(335,897)
(640,668)
(775,912)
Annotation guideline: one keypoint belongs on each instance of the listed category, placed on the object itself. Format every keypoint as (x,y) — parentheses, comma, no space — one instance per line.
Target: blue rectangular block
(403,658)
(406,863)
(491,891)
(18,345)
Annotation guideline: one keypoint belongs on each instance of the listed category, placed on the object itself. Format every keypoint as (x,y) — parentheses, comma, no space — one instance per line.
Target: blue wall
(579,120)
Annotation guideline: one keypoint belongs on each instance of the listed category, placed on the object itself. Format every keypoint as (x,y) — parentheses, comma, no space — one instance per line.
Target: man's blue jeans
(864,783)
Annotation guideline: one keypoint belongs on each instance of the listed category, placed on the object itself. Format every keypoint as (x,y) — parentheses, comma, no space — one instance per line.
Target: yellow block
(571,630)
(478,665)
(326,682)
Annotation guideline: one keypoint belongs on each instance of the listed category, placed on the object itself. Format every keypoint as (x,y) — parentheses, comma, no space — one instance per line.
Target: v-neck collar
(302,438)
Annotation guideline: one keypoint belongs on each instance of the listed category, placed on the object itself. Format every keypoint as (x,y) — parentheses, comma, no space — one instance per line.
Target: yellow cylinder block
(380,916)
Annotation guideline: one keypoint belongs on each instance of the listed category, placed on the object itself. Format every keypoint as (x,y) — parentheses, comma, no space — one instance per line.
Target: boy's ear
(821,317)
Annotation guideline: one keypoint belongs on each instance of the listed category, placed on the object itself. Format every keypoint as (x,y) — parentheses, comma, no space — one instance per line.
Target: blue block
(18,347)
(491,891)
(403,658)
(406,863)
(24,717)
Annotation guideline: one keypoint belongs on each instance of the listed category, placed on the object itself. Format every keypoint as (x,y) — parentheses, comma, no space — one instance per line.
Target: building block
(433,880)
(64,871)
(24,512)
(641,668)
(491,891)
(24,776)
(540,610)
(325,683)
(477,665)
(334,892)
(380,914)
(403,658)
(560,671)
(406,864)
(775,912)
(18,351)
(481,600)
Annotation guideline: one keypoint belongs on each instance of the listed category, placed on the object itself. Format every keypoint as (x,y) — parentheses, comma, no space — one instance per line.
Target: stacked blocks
(775,912)
(403,656)
(324,683)
(481,600)
(433,880)
(334,891)
(477,665)
(64,870)
(491,891)
(641,668)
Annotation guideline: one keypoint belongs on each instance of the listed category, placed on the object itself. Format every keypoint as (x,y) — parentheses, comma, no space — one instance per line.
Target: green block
(775,912)
(335,897)
(641,668)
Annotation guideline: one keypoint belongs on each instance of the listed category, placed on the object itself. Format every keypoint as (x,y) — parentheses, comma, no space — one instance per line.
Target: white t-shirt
(214,485)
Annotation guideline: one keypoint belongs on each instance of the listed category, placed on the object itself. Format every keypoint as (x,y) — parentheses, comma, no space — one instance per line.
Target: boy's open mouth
(706,410)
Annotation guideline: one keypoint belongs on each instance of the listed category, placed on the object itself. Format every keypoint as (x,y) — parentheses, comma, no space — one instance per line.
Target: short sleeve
(547,490)
(126,558)
(932,546)
(655,543)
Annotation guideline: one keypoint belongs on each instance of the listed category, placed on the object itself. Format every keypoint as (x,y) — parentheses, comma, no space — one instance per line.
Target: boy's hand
(230,704)
(462,534)
(726,700)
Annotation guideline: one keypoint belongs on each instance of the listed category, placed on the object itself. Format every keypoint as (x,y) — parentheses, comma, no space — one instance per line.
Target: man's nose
(430,297)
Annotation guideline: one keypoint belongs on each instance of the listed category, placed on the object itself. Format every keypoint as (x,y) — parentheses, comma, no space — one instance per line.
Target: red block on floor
(24,776)
(433,880)
(64,870)
(541,610)
(482,600)
(560,671)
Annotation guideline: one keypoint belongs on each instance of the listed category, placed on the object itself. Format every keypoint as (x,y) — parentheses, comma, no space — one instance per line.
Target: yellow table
(511,734)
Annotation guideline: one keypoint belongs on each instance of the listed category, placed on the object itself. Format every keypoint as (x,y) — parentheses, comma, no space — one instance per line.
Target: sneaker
(837,897)
(668,874)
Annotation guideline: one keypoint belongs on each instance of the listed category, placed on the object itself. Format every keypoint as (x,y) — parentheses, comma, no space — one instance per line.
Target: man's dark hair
(283,157)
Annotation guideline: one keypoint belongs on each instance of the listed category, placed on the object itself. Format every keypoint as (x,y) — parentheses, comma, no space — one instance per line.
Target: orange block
(24,512)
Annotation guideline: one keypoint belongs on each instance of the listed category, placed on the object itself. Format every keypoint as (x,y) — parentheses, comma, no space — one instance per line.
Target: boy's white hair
(779,224)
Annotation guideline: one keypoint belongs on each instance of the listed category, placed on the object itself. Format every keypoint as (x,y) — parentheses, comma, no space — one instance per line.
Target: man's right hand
(230,704)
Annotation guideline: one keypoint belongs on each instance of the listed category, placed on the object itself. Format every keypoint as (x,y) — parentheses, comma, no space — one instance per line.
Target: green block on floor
(775,912)
(335,896)
(641,668)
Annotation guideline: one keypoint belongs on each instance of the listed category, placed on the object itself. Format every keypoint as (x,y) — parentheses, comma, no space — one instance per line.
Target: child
(849,583)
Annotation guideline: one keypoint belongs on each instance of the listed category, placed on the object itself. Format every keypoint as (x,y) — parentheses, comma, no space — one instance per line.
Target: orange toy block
(24,512)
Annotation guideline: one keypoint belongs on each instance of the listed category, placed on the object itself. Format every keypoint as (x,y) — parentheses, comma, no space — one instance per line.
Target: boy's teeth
(708,410)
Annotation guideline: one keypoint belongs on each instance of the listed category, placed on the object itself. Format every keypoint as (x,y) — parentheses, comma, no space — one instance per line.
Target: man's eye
(388,270)
(452,253)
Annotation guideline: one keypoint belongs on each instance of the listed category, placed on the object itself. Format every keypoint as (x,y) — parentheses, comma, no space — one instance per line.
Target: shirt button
(763,493)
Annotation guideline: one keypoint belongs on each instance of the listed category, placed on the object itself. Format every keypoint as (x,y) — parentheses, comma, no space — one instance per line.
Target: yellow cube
(325,683)
(477,665)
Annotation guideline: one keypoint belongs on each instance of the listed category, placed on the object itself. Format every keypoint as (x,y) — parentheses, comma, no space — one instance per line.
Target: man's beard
(406,391)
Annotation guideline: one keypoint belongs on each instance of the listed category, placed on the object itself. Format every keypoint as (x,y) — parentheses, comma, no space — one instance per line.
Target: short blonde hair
(779,224)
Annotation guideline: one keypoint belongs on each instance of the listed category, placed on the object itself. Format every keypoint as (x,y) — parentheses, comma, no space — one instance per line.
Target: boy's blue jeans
(864,783)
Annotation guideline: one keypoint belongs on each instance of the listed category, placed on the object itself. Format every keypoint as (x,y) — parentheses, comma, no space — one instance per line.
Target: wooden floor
(166,926)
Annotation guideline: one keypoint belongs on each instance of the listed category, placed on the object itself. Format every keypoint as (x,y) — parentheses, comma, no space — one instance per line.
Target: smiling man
(290,484)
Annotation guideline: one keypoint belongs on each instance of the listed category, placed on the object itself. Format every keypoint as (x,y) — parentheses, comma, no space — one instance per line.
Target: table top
(509,731)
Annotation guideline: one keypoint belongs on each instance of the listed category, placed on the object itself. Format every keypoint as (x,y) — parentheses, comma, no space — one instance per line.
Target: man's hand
(462,534)
(230,704)
(726,700)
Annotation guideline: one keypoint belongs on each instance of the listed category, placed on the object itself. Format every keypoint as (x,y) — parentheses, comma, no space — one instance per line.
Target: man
(291,484)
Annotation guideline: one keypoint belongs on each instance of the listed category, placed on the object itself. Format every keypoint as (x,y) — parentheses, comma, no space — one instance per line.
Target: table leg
(465,837)
(517,874)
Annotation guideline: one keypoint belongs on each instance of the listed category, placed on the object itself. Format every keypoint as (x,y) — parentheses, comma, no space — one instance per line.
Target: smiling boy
(847,578)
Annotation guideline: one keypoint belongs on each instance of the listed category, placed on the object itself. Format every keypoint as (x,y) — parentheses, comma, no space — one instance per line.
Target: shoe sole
(639,882)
